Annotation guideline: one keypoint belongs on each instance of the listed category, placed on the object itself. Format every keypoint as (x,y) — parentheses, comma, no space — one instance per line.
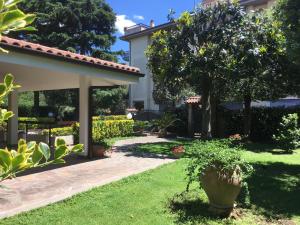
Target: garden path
(40,189)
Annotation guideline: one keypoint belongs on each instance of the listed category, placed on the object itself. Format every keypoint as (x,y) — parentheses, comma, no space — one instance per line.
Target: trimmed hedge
(111,128)
(62,131)
(116,117)
(102,129)
(34,119)
(265,122)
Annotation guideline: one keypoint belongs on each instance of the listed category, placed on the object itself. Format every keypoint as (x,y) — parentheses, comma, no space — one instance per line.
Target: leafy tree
(112,100)
(82,26)
(222,53)
(288,13)
(195,53)
(258,64)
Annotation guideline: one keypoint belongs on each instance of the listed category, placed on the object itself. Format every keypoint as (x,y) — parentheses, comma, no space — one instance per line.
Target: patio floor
(39,189)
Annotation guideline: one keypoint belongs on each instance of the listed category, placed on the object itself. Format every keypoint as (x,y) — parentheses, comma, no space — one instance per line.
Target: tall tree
(222,52)
(195,53)
(259,64)
(288,13)
(82,26)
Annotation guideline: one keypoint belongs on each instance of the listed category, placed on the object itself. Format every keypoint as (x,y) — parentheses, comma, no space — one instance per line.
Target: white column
(84,113)
(12,132)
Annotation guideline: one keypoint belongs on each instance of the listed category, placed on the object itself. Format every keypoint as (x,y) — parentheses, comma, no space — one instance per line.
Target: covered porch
(38,68)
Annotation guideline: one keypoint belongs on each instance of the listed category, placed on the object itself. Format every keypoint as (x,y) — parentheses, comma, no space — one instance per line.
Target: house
(248,4)
(38,68)
(139,38)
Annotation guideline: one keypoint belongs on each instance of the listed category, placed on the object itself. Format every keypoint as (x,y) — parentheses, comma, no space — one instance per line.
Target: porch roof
(33,48)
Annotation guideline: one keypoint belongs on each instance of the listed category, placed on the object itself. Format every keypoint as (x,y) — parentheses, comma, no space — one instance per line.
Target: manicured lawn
(157,197)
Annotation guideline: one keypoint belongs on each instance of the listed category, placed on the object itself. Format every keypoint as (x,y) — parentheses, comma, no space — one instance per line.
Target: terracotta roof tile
(194,100)
(66,54)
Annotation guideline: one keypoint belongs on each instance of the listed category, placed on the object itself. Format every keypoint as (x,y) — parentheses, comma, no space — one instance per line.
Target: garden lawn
(153,198)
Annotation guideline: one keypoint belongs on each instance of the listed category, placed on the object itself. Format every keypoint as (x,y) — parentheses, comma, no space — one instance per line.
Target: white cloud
(122,22)
(138,17)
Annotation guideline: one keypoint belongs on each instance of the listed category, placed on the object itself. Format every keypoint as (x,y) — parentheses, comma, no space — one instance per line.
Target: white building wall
(142,91)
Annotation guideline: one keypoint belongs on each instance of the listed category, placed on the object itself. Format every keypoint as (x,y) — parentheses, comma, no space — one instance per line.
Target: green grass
(157,197)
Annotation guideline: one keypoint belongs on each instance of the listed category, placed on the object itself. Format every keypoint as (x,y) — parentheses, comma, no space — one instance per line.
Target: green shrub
(141,125)
(103,129)
(162,124)
(107,143)
(116,117)
(61,131)
(288,137)
(265,122)
(34,119)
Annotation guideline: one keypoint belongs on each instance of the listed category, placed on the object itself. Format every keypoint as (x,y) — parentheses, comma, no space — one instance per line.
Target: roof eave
(69,60)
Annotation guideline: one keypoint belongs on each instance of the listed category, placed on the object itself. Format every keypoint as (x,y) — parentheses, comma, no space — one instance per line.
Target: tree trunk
(247,116)
(206,110)
(214,119)
(36,97)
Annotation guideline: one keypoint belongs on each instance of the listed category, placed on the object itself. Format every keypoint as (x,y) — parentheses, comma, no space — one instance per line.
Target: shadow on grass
(189,208)
(275,190)
(265,147)
(152,150)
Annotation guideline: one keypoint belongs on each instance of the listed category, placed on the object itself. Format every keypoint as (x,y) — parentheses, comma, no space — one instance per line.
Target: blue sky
(130,12)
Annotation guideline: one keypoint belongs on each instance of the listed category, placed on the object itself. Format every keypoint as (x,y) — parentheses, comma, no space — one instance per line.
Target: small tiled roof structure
(54,52)
(194,100)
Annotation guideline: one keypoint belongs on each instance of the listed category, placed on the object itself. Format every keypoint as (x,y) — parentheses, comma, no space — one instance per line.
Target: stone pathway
(40,189)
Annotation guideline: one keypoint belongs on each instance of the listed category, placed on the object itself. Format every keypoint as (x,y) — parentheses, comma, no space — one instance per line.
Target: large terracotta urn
(222,189)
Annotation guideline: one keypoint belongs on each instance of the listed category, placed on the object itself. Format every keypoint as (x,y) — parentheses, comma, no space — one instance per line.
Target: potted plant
(162,124)
(220,171)
(140,126)
(103,148)
(178,151)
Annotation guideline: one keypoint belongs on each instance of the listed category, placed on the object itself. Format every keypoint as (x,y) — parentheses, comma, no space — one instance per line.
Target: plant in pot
(162,124)
(220,171)
(178,151)
(103,148)
(139,127)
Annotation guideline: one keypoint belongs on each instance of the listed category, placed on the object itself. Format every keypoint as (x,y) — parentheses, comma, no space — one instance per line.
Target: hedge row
(62,131)
(111,128)
(265,122)
(116,117)
(101,129)
(34,119)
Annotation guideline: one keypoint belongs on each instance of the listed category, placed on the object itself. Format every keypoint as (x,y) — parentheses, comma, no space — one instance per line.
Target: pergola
(38,68)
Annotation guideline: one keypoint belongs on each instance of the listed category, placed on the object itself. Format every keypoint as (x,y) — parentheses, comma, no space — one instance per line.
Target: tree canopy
(221,52)
(288,13)
(82,26)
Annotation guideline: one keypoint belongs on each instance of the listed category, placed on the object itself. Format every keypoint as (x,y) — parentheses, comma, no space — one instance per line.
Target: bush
(288,137)
(111,128)
(162,124)
(265,122)
(116,117)
(140,126)
(102,129)
(62,131)
(34,119)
